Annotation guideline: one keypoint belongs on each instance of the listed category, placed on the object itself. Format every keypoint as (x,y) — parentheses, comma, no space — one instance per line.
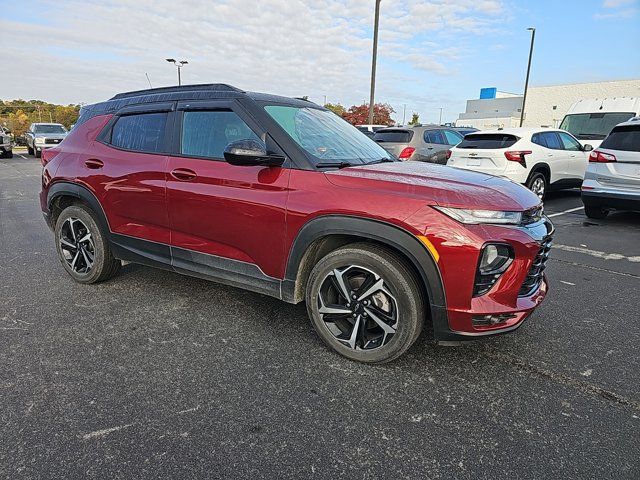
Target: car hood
(438,185)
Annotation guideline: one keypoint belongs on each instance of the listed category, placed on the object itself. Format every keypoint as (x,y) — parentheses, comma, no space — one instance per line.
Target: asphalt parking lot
(157,375)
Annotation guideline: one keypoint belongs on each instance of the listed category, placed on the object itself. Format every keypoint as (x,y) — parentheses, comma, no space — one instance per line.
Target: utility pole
(404,112)
(325,100)
(440,121)
(373,61)
(526,82)
(179,64)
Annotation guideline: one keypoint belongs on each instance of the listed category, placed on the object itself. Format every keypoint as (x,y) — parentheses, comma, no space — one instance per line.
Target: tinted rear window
(488,140)
(626,138)
(398,136)
(141,133)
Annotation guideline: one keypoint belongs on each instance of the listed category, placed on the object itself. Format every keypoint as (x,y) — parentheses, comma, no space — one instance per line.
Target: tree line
(359,114)
(17,115)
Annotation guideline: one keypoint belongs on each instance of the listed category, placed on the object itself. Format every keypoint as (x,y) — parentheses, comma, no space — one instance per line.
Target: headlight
(482,216)
(39,140)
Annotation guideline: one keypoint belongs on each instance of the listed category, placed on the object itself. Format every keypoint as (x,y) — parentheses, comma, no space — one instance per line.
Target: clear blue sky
(432,54)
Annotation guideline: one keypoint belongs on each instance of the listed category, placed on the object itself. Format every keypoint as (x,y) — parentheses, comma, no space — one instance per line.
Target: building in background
(546,106)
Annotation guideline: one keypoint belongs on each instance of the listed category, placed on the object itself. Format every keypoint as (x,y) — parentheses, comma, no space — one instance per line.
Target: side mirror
(587,147)
(250,153)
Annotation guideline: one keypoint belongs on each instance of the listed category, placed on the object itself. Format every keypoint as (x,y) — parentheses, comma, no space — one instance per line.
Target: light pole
(526,82)
(179,64)
(373,61)
(440,122)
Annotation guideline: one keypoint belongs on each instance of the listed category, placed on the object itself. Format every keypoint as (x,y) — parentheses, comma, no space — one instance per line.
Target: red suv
(282,197)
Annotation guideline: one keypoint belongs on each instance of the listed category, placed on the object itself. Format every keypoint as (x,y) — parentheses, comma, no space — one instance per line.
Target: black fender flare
(60,189)
(382,232)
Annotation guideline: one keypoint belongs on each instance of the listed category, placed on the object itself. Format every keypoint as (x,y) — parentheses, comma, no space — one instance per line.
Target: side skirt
(230,272)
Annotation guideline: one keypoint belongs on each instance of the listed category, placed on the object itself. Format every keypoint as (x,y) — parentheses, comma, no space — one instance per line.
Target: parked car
(465,130)
(612,180)
(283,197)
(6,146)
(44,135)
(590,120)
(538,158)
(423,143)
(370,130)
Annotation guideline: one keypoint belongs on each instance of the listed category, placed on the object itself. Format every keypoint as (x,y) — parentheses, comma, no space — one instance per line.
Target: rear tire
(596,212)
(38,153)
(29,150)
(365,302)
(82,247)
(9,155)
(538,184)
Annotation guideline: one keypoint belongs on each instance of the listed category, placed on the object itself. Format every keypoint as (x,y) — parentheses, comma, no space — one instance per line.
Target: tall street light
(179,64)
(526,82)
(373,61)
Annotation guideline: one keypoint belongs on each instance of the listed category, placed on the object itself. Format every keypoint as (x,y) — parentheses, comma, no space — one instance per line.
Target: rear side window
(625,138)
(453,138)
(207,134)
(434,136)
(552,140)
(397,136)
(488,140)
(140,133)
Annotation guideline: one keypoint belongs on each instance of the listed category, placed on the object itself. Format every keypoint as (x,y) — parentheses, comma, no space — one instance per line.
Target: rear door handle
(183,174)
(94,163)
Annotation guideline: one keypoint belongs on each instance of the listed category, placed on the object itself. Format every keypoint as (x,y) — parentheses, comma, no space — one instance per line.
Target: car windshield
(593,126)
(325,136)
(49,129)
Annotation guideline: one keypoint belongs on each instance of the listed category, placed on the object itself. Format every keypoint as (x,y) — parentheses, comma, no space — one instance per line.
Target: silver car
(423,143)
(6,147)
(612,180)
(44,135)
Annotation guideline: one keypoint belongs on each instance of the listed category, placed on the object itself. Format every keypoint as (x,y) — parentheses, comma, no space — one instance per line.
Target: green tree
(415,119)
(336,108)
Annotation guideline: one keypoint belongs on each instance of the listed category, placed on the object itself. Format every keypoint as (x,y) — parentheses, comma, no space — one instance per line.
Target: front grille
(52,140)
(536,272)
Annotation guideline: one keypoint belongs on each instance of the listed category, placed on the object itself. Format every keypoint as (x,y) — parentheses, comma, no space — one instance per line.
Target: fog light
(491,320)
(494,261)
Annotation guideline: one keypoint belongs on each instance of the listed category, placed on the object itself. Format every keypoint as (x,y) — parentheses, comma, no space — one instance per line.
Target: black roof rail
(220,87)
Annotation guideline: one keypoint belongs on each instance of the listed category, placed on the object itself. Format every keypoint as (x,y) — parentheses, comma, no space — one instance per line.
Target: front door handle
(183,174)
(94,163)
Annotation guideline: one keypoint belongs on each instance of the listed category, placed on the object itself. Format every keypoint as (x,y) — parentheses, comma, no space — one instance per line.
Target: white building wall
(539,109)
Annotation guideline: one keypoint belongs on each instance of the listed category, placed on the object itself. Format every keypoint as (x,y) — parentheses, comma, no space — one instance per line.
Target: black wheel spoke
(357,307)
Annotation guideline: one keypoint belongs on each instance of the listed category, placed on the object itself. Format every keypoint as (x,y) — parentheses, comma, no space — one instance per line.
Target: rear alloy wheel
(82,249)
(596,212)
(537,183)
(365,303)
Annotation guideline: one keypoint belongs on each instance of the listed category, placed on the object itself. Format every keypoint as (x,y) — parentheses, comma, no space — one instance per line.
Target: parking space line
(596,253)
(565,211)
(22,156)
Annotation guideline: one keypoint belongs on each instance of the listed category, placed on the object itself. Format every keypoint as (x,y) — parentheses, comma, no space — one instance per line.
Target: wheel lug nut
(353,296)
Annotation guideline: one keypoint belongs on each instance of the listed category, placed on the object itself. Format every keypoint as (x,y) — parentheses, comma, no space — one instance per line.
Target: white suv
(612,180)
(535,157)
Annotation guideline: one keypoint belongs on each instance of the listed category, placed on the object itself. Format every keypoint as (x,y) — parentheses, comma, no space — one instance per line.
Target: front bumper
(506,306)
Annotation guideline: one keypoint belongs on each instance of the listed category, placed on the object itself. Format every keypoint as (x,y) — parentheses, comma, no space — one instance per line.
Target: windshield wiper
(334,164)
(380,160)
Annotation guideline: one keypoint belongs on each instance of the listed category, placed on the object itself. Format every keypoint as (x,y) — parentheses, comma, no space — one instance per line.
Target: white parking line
(596,253)
(22,156)
(566,211)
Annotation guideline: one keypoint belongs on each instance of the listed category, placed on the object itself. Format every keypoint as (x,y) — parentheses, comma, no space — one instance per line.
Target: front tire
(365,303)
(82,248)
(29,150)
(595,212)
(538,184)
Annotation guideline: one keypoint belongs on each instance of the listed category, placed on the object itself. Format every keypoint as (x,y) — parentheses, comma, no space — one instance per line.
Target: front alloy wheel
(365,302)
(357,307)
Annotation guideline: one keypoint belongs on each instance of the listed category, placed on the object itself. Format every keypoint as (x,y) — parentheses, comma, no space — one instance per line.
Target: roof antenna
(147,75)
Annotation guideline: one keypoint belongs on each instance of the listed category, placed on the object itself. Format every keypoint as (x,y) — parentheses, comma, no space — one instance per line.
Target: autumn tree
(335,108)
(415,119)
(17,115)
(359,114)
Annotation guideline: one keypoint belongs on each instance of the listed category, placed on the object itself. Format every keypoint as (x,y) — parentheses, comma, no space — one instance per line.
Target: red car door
(126,169)
(227,222)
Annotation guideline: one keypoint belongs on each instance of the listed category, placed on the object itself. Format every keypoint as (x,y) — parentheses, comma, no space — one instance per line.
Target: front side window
(434,136)
(324,136)
(207,133)
(140,132)
(569,143)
